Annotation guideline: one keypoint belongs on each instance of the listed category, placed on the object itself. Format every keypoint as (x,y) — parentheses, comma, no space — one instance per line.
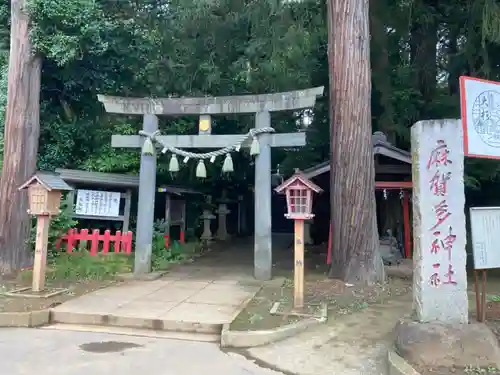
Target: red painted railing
(121,242)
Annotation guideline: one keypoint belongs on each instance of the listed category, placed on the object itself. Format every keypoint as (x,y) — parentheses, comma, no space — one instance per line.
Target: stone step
(185,336)
(107,320)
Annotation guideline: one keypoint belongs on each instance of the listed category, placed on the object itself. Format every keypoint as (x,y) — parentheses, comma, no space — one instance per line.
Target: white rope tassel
(174,164)
(148,148)
(152,140)
(201,171)
(255,147)
(228,164)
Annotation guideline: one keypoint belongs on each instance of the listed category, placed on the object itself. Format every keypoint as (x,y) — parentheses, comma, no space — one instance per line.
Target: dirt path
(354,344)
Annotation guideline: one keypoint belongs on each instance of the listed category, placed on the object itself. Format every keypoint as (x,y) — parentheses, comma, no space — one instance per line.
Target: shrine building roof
(381,146)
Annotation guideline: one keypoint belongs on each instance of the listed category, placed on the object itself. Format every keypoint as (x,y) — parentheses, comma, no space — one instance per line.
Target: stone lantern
(207,216)
(299,197)
(223,211)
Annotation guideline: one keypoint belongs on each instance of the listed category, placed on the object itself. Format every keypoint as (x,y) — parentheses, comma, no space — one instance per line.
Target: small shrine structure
(100,196)
(108,197)
(393,186)
(175,210)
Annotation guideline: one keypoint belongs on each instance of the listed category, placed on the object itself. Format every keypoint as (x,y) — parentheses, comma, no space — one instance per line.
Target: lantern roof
(50,181)
(298,177)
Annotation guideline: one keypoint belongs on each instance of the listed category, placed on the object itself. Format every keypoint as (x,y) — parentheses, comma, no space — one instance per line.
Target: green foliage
(67,31)
(196,48)
(494,298)
(185,48)
(163,257)
(79,266)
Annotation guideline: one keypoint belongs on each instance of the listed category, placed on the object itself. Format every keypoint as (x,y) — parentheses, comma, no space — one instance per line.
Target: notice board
(485,233)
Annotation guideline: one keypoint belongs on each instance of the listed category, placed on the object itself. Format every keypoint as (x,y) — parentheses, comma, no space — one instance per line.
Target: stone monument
(440,335)
(440,278)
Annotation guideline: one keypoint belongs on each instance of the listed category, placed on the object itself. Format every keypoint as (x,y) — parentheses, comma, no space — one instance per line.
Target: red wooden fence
(167,239)
(122,242)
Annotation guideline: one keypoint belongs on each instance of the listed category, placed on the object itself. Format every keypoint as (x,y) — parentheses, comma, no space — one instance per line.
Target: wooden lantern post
(44,193)
(299,191)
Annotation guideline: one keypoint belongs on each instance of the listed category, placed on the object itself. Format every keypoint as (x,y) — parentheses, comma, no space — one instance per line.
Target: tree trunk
(22,130)
(353,211)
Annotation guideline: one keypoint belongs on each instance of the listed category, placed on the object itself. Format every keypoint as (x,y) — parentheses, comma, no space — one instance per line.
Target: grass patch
(163,258)
(81,273)
(78,272)
(80,266)
(340,299)
(256,316)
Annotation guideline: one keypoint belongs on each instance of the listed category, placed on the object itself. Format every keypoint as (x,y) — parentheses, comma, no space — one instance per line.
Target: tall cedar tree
(22,130)
(355,241)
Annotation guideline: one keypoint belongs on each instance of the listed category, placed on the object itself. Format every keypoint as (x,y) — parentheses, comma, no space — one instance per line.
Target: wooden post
(406,224)
(478,296)
(70,203)
(126,210)
(183,228)
(39,266)
(298,274)
(483,298)
(168,206)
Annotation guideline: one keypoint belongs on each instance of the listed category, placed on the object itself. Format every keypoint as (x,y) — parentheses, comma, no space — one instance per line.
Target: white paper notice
(97,203)
(485,233)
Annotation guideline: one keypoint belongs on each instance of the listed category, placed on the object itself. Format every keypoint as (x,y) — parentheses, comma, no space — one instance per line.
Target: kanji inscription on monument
(440,279)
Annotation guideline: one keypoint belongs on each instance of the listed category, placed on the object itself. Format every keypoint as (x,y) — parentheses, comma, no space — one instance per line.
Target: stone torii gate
(261,105)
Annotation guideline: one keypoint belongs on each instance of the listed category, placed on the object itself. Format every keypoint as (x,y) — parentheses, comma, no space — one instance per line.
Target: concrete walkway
(190,299)
(47,352)
(354,344)
(197,297)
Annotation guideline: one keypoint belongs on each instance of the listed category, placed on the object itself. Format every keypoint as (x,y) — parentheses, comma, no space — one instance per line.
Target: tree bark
(353,211)
(22,130)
